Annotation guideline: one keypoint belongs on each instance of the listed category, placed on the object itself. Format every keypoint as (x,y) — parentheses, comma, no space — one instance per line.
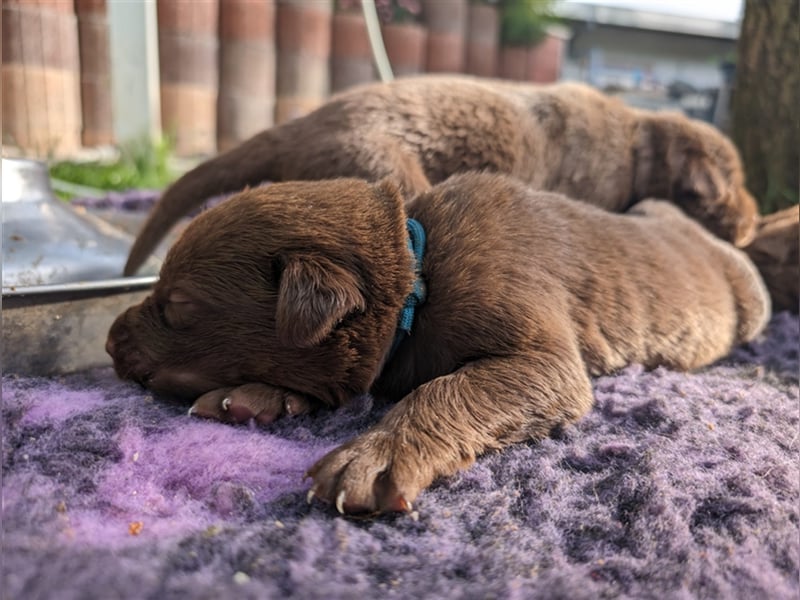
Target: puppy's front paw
(258,401)
(370,474)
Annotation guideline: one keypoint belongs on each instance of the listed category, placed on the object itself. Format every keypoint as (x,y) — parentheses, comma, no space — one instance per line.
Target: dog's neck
(416,245)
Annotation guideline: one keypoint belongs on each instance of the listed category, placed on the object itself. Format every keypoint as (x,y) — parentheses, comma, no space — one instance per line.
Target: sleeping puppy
(482,307)
(567,138)
(775,251)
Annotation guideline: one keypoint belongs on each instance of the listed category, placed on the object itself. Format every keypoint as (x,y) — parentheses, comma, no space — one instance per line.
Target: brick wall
(227,68)
(41,76)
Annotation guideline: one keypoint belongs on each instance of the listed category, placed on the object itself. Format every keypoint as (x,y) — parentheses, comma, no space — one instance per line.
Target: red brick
(246,101)
(349,37)
(445,16)
(347,72)
(94,46)
(446,52)
(483,24)
(41,111)
(189,59)
(482,41)
(514,63)
(188,113)
(247,19)
(98,126)
(66,7)
(406,46)
(544,60)
(188,16)
(302,76)
(90,7)
(304,28)
(290,108)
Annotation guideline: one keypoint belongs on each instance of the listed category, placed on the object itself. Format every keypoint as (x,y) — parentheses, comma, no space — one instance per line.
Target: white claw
(191,410)
(310,495)
(409,508)
(340,502)
(226,402)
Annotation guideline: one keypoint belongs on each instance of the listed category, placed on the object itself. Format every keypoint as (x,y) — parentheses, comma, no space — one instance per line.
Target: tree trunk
(766,101)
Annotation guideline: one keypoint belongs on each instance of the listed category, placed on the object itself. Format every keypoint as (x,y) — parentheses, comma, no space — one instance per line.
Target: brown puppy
(567,138)
(776,252)
(289,295)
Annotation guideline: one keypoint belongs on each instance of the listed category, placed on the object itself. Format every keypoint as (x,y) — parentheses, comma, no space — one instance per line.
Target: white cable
(376,41)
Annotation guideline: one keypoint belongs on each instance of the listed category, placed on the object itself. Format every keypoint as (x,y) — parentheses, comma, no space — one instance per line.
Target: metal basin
(62,287)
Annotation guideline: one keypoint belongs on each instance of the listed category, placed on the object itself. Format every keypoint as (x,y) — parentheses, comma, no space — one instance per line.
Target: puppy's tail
(252,162)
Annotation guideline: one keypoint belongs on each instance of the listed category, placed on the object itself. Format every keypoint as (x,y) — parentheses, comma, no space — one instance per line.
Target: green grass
(140,165)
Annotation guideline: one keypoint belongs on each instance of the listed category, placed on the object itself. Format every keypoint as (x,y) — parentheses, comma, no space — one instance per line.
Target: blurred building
(654,59)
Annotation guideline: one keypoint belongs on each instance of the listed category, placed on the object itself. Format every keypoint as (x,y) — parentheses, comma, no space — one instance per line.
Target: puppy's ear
(314,295)
(703,180)
(388,187)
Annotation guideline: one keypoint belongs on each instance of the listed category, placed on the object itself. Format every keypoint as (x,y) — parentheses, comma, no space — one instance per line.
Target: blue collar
(416,245)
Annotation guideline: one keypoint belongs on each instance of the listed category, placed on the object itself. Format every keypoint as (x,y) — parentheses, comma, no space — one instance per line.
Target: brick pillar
(187,58)
(93,40)
(514,62)
(483,33)
(304,46)
(446,21)
(544,59)
(41,77)
(351,53)
(246,103)
(406,47)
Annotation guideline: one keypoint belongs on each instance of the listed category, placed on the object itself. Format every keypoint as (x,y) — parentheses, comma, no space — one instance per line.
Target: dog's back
(566,138)
(651,286)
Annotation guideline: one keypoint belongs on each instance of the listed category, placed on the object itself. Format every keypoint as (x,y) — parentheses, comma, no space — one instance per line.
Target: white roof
(651,19)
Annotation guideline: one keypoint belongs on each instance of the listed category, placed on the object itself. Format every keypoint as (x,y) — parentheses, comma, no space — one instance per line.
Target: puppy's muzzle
(128,360)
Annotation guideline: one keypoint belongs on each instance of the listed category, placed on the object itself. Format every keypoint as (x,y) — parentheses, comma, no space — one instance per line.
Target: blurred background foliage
(525,22)
(140,164)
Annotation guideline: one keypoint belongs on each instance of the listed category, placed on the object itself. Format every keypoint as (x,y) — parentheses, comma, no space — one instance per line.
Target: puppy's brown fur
(289,295)
(776,252)
(567,138)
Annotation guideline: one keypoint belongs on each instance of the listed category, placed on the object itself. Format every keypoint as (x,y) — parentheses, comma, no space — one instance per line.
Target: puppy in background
(776,252)
(298,294)
(566,137)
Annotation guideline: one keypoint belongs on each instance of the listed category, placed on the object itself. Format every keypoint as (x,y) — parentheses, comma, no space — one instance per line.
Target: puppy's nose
(110,346)
(116,335)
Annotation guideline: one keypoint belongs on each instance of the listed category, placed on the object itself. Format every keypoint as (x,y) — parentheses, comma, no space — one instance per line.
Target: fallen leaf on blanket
(135,528)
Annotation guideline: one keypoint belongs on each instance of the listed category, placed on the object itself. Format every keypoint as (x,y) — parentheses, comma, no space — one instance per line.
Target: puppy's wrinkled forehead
(280,216)
(253,228)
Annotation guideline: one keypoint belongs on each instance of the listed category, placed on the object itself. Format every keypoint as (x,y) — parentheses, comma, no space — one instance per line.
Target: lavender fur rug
(674,486)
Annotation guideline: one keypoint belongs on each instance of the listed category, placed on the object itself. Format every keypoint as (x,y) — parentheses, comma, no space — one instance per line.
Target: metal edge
(24,296)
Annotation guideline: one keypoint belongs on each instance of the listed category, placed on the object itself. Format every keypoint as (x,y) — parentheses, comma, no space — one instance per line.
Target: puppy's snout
(116,335)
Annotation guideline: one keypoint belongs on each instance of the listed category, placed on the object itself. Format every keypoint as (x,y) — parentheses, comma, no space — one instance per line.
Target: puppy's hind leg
(443,425)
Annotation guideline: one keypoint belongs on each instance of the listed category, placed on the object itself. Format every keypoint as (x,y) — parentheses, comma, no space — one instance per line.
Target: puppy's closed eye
(180,311)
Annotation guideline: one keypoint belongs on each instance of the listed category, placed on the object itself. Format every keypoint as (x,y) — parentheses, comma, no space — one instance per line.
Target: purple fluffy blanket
(674,486)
